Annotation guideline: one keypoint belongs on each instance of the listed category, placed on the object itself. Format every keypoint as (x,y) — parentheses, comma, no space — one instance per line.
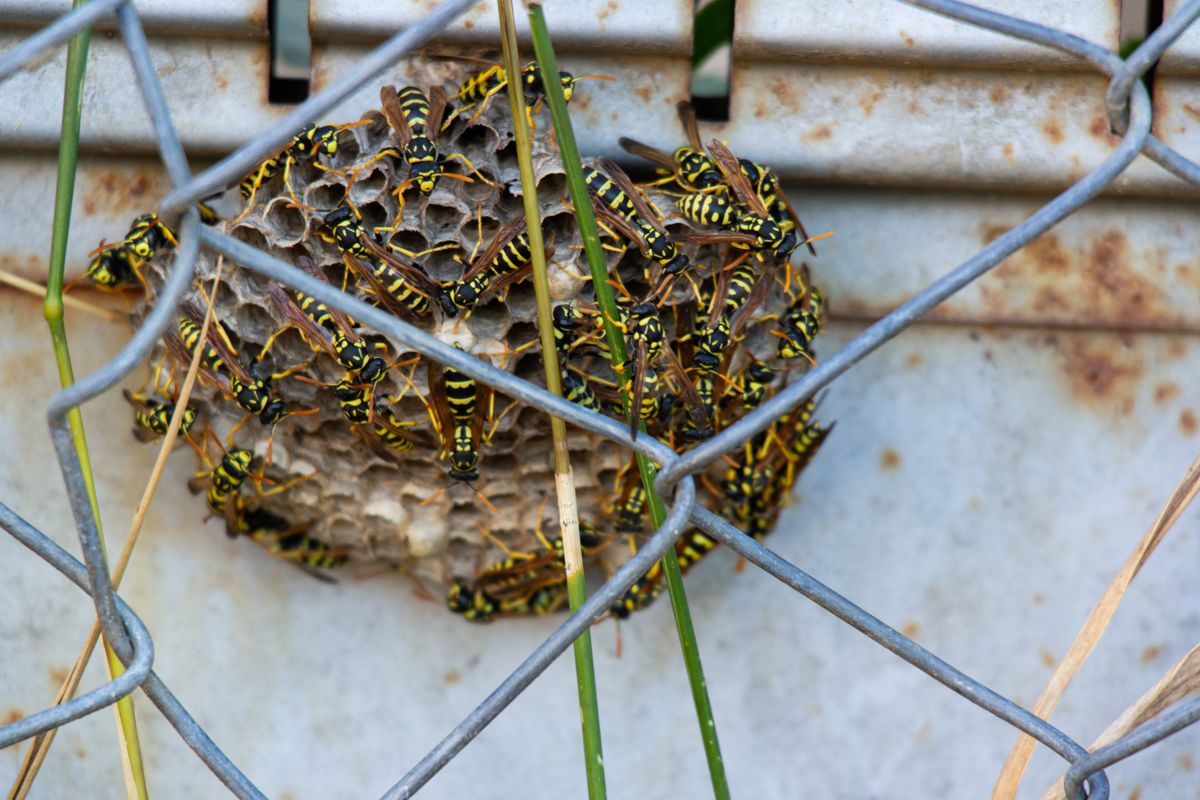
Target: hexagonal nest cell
(377,505)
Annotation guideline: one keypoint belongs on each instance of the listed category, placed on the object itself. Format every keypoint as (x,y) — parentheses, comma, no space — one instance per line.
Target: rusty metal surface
(923,127)
(217,92)
(1184,55)
(878,31)
(234,18)
(985,500)
(661,28)
(1119,263)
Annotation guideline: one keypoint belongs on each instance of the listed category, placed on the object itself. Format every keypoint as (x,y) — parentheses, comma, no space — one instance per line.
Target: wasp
(689,166)
(283,540)
(803,437)
(153,417)
(622,205)
(221,368)
(479,88)
(307,145)
(502,263)
(579,390)
(116,264)
(459,405)
(630,513)
(766,186)
(800,325)
(756,383)
(644,591)
(647,339)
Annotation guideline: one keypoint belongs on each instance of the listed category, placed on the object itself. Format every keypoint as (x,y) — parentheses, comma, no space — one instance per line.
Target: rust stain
(58,675)
(818,134)
(997,94)
(1053,131)
(911,629)
(644,92)
(915,108)
(115,192)
(787,94)
(1100,374)
(1185,762)
(974,503)
(1192,111)
(451,676)
(1007,150)
(1039,599)
(908,40)
(1166,392)
(468,24)
(1136,793)
(80,753)
(760,109)
(1099,127)
(1047,658)
(12,715)
(868,99)
(913,360)
(1151,653)
(1187,422)
(889,459)
(1176,349)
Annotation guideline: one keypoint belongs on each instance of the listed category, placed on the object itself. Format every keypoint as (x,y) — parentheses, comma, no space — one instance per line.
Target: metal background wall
(989,472)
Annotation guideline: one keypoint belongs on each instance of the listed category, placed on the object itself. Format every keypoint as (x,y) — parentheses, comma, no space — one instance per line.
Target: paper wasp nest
(404,510)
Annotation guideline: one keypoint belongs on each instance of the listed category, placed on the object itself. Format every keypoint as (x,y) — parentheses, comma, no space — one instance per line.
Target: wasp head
(338,216)
(464,467)
(451,300)
(568,85)
(425,174)
(325,140)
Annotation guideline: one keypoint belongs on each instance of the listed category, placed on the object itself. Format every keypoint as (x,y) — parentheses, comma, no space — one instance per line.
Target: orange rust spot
(1187,421)
(889,459)
(786,93)
(1099,127)
(80,753)
(1136,793)
(1007,149)
(58,675)
(1150,653)
(990,232)
(469,24)
(12,715)
(1166,392)
(908,40)
(116,192)
(1047,658)
(915,108)
(644,92)
(1101,375)
(974,503)
(913,360)
(1053,131)
(997,94)
(451,676)
(1176,349)
(820,133)
(1039,599)
(1185,762)
(867,101)
(1191,110)
(911,629)
(760,109)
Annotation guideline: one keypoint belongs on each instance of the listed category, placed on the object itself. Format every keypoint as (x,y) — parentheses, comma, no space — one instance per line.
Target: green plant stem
(585,672)
(585,216)
(52,310)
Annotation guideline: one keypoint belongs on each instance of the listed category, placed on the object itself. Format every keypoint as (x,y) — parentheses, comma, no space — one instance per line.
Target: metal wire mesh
(1129,114)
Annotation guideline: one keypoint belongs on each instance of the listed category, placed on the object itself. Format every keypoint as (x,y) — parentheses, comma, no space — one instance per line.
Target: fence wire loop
(1129,111)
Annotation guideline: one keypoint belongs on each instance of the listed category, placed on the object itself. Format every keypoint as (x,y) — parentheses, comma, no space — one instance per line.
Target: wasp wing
(687,119)
(622,181)
(389,101)
(728,164)
(652,154)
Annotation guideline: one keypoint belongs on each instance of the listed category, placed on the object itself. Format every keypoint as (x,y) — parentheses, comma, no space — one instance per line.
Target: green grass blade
(52,310)
(585,672)
(713,28)
(573,167)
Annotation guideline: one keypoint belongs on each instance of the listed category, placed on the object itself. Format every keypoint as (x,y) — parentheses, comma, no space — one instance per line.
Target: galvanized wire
(1130,115)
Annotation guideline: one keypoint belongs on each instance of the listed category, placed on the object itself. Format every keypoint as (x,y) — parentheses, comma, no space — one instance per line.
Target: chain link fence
(1129,114)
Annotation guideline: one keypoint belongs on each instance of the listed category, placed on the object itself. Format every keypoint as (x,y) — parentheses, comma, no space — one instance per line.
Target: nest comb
(403,510)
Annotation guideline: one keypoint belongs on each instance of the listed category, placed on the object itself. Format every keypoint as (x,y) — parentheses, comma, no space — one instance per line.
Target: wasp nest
(379,506)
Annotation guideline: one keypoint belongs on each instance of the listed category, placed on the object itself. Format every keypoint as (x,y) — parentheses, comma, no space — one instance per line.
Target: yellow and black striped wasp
(504,262)
(689,166)
(325,329)
(224,480)
(766,186)
(801,322)
(479,89)
(740,210)
(152,417)
(118,264)
(283,540)
(306,146)
(648,344)
(459,406)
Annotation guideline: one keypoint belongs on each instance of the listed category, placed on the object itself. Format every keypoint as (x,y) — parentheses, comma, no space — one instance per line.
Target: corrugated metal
(1184,55)
(981,487)
(236,18)
(887,31)
(663,27)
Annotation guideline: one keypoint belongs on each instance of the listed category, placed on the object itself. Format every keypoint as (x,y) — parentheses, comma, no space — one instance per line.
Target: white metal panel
(612,26)
(888,31)
(1183,57)
(980,489)
(236,18)
(970,128)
